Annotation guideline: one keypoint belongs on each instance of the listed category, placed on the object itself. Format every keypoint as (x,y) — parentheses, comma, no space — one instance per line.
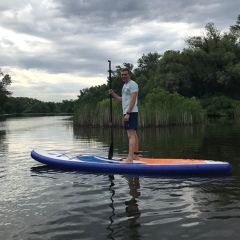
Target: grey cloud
(109,13)
(79,36)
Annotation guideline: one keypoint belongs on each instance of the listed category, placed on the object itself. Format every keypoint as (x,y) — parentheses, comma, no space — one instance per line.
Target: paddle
(110,153)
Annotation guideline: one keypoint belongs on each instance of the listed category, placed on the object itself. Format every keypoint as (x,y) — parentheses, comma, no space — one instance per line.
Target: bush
(221,106)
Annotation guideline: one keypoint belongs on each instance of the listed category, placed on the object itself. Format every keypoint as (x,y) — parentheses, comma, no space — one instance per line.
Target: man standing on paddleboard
(129,102)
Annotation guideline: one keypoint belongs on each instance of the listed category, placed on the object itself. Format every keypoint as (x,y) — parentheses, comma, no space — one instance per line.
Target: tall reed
(237,110)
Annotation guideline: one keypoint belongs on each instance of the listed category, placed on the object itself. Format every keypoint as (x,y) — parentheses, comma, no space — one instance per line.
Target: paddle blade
(110,152)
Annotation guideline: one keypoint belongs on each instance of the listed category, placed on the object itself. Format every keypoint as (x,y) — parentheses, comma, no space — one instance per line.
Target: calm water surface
(37,202)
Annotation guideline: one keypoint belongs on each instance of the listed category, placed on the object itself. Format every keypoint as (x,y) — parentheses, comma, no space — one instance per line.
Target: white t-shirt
(127,89)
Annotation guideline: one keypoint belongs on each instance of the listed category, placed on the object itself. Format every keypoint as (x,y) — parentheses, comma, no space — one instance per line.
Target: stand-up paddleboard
(144,166)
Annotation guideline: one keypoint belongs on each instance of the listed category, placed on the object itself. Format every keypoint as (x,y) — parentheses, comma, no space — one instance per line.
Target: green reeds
(162,108)
(237,110)
(159,109)
(97,115)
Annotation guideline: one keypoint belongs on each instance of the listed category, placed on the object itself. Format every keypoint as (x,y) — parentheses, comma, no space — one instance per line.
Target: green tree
(67,106)
(145,73)
(173,74)
(4,93)
(209,66)
(236,27)
(93,95)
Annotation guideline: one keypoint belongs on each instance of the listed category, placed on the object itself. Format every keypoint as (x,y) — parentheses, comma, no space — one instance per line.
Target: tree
(173,73)
(93,95)
(236,27)
(209,66)
(145,72)
(4,93)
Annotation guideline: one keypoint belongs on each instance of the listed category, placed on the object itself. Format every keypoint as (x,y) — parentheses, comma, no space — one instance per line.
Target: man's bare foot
(136,157)
(126,161)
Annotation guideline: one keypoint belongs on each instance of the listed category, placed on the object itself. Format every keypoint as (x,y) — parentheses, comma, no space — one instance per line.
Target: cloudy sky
(54,48)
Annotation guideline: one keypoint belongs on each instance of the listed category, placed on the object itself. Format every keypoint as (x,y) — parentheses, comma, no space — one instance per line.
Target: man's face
(125,76)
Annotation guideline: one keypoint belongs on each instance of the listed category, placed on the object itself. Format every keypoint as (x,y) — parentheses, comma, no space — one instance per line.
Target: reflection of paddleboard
(144,166)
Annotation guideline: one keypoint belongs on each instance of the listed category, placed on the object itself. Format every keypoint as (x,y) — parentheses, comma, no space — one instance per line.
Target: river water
(37,202)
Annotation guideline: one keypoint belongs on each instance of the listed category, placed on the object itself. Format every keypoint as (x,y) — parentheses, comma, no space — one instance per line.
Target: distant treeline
(22,105)
(178,87)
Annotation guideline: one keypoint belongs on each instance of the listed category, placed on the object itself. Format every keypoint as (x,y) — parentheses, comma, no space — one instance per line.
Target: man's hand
(126,118)
(110,91)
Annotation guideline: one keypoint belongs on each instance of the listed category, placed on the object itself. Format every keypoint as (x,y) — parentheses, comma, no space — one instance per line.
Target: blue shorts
(133,121)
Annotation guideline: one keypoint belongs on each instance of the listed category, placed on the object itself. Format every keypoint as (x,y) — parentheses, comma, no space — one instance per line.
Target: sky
(52,49)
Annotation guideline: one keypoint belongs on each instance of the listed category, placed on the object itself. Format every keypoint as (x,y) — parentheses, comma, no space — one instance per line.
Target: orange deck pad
(169,161)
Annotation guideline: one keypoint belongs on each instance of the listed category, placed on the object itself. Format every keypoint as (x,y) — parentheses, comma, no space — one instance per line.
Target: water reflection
(111,205)
(166,142)
(132,210)
(3,153)
(129,227)
(2,140)
(2,134)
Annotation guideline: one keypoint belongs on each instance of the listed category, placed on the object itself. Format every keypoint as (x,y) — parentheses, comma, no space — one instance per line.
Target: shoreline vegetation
(160,109)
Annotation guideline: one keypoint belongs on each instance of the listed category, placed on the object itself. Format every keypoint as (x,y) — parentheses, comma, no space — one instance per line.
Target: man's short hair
(126,69)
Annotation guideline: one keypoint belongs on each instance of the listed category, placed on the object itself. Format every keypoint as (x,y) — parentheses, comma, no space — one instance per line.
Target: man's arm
(133,101)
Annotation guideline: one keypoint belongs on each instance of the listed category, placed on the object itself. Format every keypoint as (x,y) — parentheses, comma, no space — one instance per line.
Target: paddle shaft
(110,153)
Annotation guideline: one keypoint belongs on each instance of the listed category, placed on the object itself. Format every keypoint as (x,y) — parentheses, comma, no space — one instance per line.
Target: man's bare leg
(135,156)
(132,144)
